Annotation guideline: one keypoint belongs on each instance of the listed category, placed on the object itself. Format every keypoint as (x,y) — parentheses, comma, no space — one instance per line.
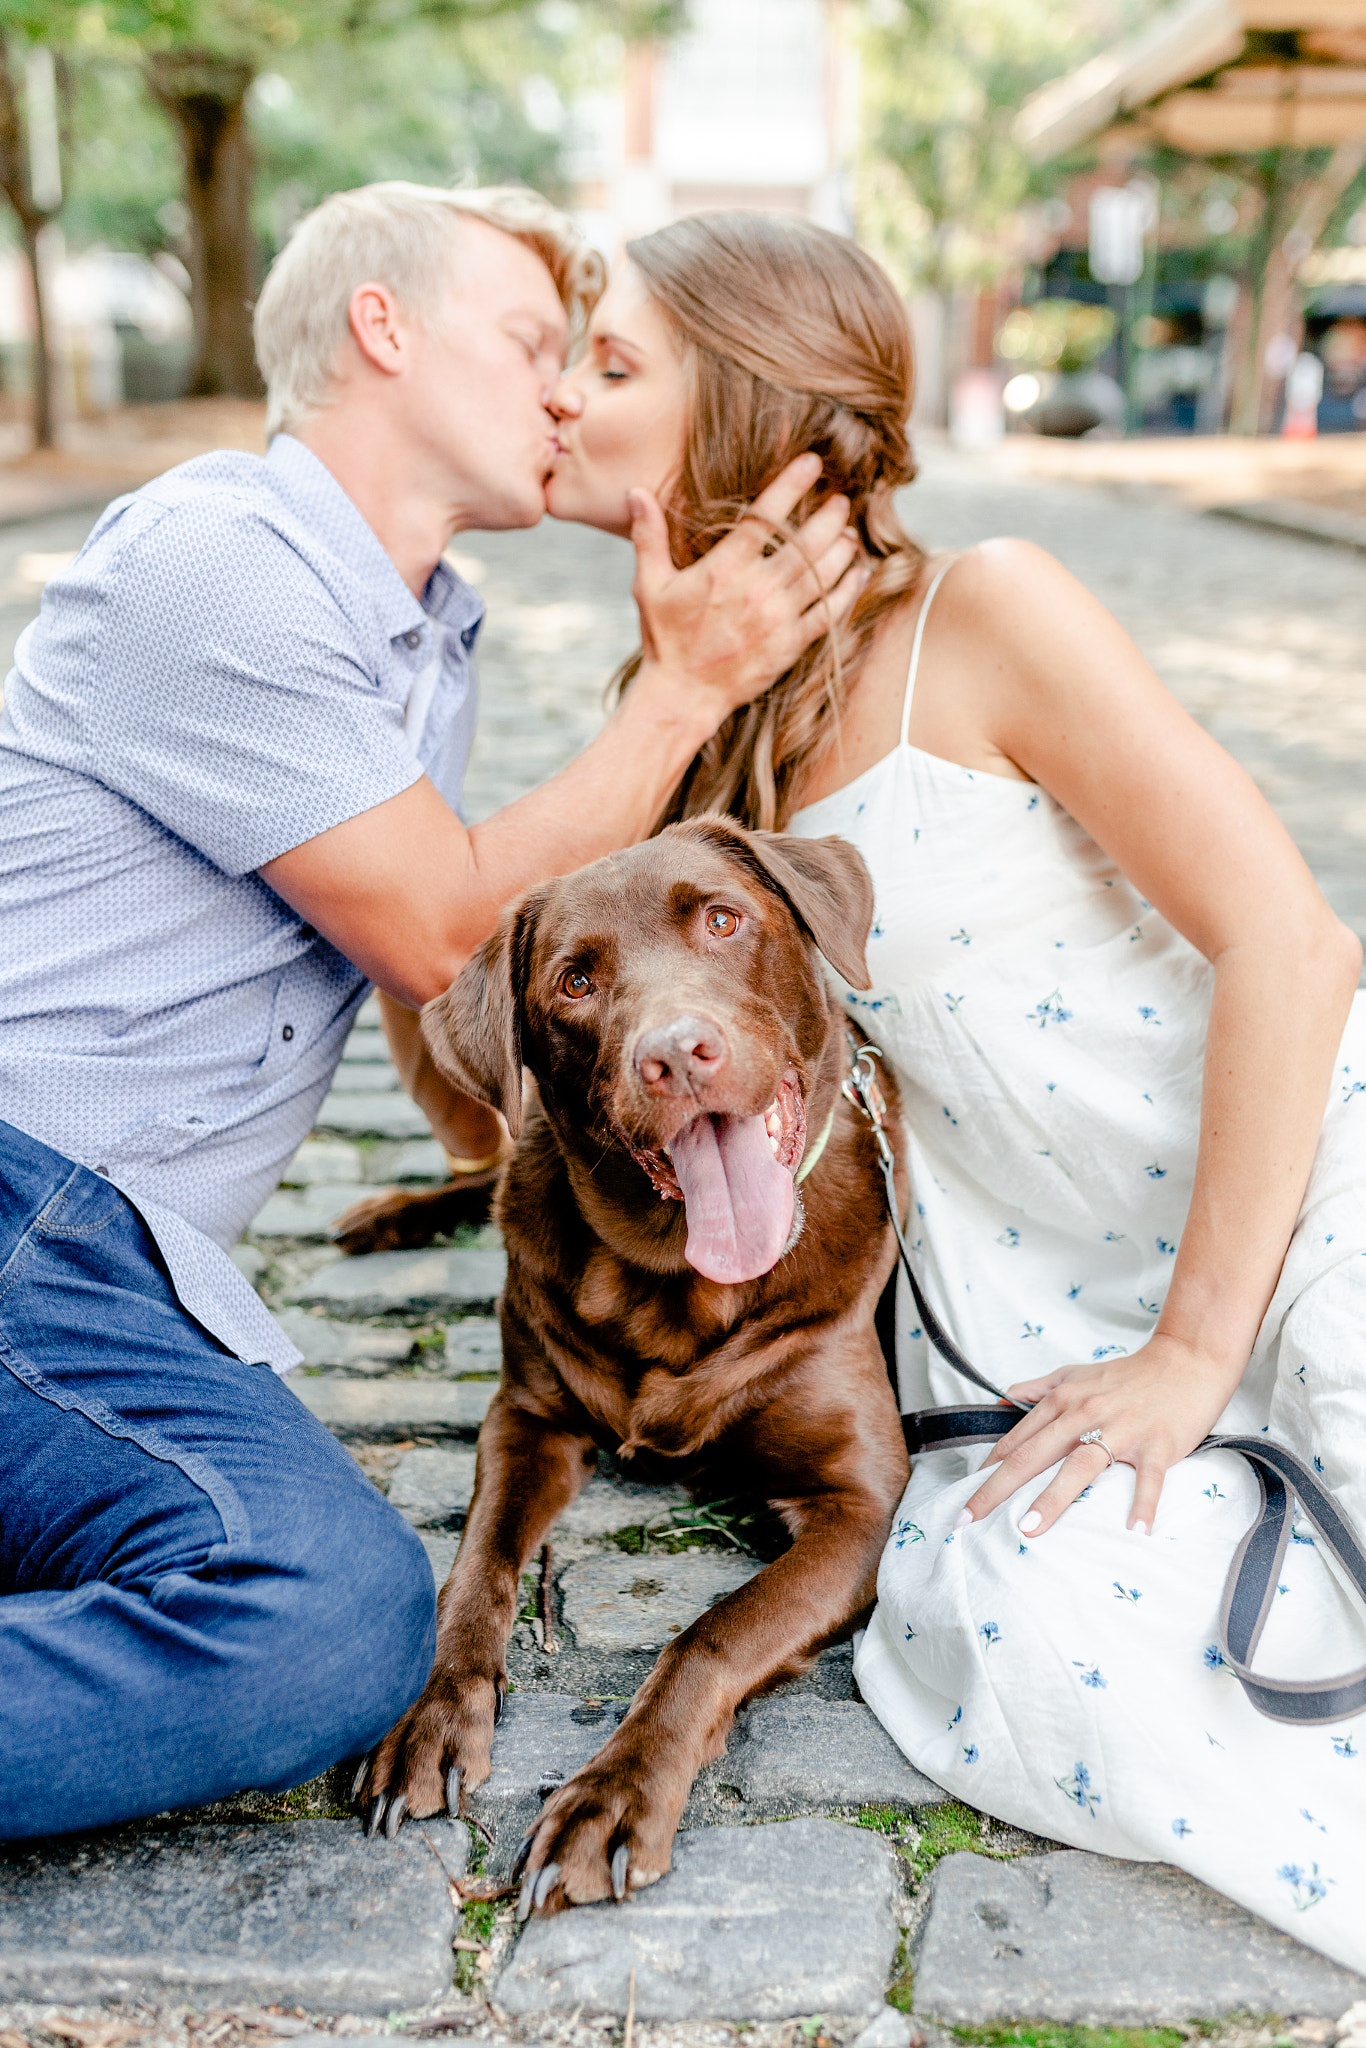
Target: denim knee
(363,1629)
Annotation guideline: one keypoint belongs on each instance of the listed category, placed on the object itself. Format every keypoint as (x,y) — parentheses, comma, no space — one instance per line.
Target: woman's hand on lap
(1152,1409)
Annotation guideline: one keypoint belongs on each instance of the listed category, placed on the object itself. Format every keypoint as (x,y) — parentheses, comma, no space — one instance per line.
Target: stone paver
(427,1282)
(299,1912)
(388,1410)
(800,1755)
(432,1488)
(374,1114)
(308,1212)
(474,1344)
(367,1046)
(354,1344)
(324,1159)
(642,1603)
(752,1923)
(542,1739)
(364,1078)
(418,1159)
(1041,1936)
(607,1506)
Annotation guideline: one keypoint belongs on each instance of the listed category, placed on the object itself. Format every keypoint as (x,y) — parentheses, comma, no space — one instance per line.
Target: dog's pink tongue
(738,1198)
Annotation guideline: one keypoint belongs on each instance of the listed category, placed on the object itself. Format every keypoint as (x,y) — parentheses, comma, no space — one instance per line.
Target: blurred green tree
(942,178)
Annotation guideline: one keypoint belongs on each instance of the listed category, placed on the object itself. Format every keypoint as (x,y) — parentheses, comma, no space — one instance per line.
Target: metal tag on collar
(862,1087)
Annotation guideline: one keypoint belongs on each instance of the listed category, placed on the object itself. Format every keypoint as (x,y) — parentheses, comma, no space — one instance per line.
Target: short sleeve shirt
(223,673)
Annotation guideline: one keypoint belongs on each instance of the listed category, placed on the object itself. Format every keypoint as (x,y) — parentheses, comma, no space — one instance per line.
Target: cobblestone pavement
(869,1909)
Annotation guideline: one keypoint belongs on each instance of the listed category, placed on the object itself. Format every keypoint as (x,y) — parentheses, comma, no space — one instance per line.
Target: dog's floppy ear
(825,883)
(474,1030)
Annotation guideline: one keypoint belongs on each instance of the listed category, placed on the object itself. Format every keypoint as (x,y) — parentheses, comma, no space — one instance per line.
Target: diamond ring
(1093,1436)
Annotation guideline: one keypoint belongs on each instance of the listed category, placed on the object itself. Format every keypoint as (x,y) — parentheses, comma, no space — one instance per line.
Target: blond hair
(795,340)
(403,236)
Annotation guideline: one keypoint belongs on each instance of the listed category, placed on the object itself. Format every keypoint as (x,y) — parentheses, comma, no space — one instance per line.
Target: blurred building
(753,106)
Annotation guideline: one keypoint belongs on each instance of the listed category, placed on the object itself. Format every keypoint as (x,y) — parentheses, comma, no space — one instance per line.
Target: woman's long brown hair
(795,340)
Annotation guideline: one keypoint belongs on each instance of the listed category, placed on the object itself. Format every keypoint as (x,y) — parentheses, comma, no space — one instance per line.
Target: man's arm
(407,893)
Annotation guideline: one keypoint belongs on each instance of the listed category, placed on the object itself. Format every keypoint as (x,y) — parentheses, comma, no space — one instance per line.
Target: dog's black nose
(675,1058)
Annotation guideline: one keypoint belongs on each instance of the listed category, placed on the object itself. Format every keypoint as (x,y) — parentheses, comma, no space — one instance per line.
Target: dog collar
(816,1150)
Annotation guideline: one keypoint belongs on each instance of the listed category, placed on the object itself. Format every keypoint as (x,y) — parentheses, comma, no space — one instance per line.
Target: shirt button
(413,639)
(287,1033)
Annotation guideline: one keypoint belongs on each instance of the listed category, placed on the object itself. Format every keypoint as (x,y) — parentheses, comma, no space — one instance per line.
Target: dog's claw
(523,1851)
(376,1816)
(395,1817)
(500,1699)
(359,1778)
(525,1895)
(546,1881)
(621,1866)
(453,1778)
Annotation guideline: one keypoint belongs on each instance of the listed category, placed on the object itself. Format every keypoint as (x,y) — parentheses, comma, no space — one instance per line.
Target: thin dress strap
(915,650)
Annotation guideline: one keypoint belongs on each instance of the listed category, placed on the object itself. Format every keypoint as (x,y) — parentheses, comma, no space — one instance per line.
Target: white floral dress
(1048,1027)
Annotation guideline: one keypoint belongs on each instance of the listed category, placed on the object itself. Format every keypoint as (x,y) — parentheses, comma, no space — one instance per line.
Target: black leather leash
(1255,1571)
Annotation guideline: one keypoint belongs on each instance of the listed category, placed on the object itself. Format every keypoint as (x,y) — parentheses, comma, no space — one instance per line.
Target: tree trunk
(204,96)
(44,419)
(16,182)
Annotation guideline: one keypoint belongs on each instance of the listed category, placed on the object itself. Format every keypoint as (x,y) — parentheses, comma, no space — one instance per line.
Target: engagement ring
(1093,1436)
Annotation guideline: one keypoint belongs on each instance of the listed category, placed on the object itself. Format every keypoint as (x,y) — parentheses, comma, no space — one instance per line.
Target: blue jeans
(199,1590)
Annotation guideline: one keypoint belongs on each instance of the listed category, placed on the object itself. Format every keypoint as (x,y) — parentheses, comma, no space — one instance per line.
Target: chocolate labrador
(697,1238)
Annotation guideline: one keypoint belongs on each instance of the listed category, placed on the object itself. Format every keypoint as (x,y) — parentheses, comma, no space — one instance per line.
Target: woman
(1117,1002)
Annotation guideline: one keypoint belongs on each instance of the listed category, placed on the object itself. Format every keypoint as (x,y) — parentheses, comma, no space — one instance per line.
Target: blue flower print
(1077,1788)
(1211,1492)
(1306,1886)
(1298,1374)
(990,1633)
(1073,1292)
(1155,1172)
(960,937)
(1151,1308)
(879,930)
(1318,1464)
(1167,1250)
(951,1117)
(970,1752)
(1129,1593)
(1024,1550)
(1149,1014)
(907,1532)
(1182,1828)
(1108,1351)
(1353,1088)
(1345,1746)
(1135,935)
(1213,1740)
(1282,1589)
(1050,1011)
(956,1719)
(910,1633)
(1305,1814)
(1009,1237)
(1031,1330)
(1090,1675)
(953,1004)
(1085,1493)
(1033,803)
(1052,1087)
(1215,1660)
(1114,1237)
(861,809)
(1300,1535)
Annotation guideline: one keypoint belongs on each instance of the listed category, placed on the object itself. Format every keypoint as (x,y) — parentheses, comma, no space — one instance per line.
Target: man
(230,765)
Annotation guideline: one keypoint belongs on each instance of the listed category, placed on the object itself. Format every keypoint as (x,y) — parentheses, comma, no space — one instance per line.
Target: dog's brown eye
(575,984)
(722,924)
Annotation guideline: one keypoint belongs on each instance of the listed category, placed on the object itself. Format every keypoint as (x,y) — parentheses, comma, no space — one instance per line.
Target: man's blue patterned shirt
(222,674)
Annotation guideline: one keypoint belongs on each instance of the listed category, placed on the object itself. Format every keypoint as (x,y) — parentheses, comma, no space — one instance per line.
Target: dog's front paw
(609,1830)
(435,1754)
(410,1216)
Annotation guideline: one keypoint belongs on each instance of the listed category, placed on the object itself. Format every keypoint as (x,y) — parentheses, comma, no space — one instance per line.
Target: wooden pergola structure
(1268,81)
